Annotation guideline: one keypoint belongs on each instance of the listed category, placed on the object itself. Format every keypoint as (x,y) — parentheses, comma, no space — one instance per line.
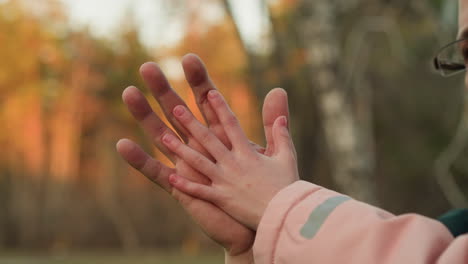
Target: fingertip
(121,142)
(147,67)
(132,153)
(126,149)
(281,125)
(217,101)
(282,138)
(194,69)
(191,58)
(279,90)
(276,96)
(275,105)
(213,94)
(124,145)
(179,110)
(169,140)
(153,75)
(173,179)
(136,103)
(282,121)
(129,93)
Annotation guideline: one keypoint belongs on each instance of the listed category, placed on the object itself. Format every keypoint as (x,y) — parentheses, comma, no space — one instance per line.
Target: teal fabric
(320,214)
(456,221)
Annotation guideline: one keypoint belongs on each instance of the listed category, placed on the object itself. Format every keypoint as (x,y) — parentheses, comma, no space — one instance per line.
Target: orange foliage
(61,91)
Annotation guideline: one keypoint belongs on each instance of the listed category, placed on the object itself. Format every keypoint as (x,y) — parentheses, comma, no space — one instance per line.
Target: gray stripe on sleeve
(320,214)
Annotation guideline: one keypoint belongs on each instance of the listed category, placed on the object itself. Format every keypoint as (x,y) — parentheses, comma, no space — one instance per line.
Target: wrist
(242,258)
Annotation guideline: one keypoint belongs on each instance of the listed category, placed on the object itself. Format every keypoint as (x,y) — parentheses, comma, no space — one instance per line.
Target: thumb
(276,104)
(281,137)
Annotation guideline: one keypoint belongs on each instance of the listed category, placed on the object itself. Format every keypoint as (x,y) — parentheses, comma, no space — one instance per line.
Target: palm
(236,239)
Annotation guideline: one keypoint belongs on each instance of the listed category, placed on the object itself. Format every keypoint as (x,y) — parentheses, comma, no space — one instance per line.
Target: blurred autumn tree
(62,183)
(62,180)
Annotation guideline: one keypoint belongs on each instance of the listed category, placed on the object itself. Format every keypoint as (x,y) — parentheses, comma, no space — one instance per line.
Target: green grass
(112,258)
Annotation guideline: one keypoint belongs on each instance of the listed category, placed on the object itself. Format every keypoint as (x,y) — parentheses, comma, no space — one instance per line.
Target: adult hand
(233,236)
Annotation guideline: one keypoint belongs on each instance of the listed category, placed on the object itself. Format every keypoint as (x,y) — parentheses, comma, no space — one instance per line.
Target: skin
(236,239)
(242,181)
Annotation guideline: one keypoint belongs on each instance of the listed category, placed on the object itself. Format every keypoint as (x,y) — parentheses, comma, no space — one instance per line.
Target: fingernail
(168,138)
(283,121)
(173,178)
(212,94)
(179,110)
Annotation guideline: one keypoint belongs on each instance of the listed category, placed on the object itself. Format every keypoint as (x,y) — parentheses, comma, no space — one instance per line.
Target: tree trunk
(109,191)
(346,148)
(254,69)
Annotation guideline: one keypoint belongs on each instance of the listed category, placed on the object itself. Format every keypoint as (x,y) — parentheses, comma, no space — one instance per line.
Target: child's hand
(242,181)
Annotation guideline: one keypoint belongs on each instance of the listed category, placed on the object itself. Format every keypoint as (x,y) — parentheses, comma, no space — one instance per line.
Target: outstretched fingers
(199,80)
(196,190)
(141,110)
(162,91)
(201,133)
(140,160)
(229,121)
(192,157)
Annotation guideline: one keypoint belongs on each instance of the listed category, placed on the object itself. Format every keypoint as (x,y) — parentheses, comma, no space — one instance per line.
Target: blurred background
(369,116)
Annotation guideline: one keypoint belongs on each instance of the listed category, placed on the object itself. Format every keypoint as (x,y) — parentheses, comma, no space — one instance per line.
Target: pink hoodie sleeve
(305,223)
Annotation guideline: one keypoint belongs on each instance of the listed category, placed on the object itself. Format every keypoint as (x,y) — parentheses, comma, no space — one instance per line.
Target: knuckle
(186,117)
(184,185)
(155,168)
(176,147)
(217,102)
(204,135)
(223,199)
(199,160)
(231,121)
(151,170)
(195,188)
(225,157)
